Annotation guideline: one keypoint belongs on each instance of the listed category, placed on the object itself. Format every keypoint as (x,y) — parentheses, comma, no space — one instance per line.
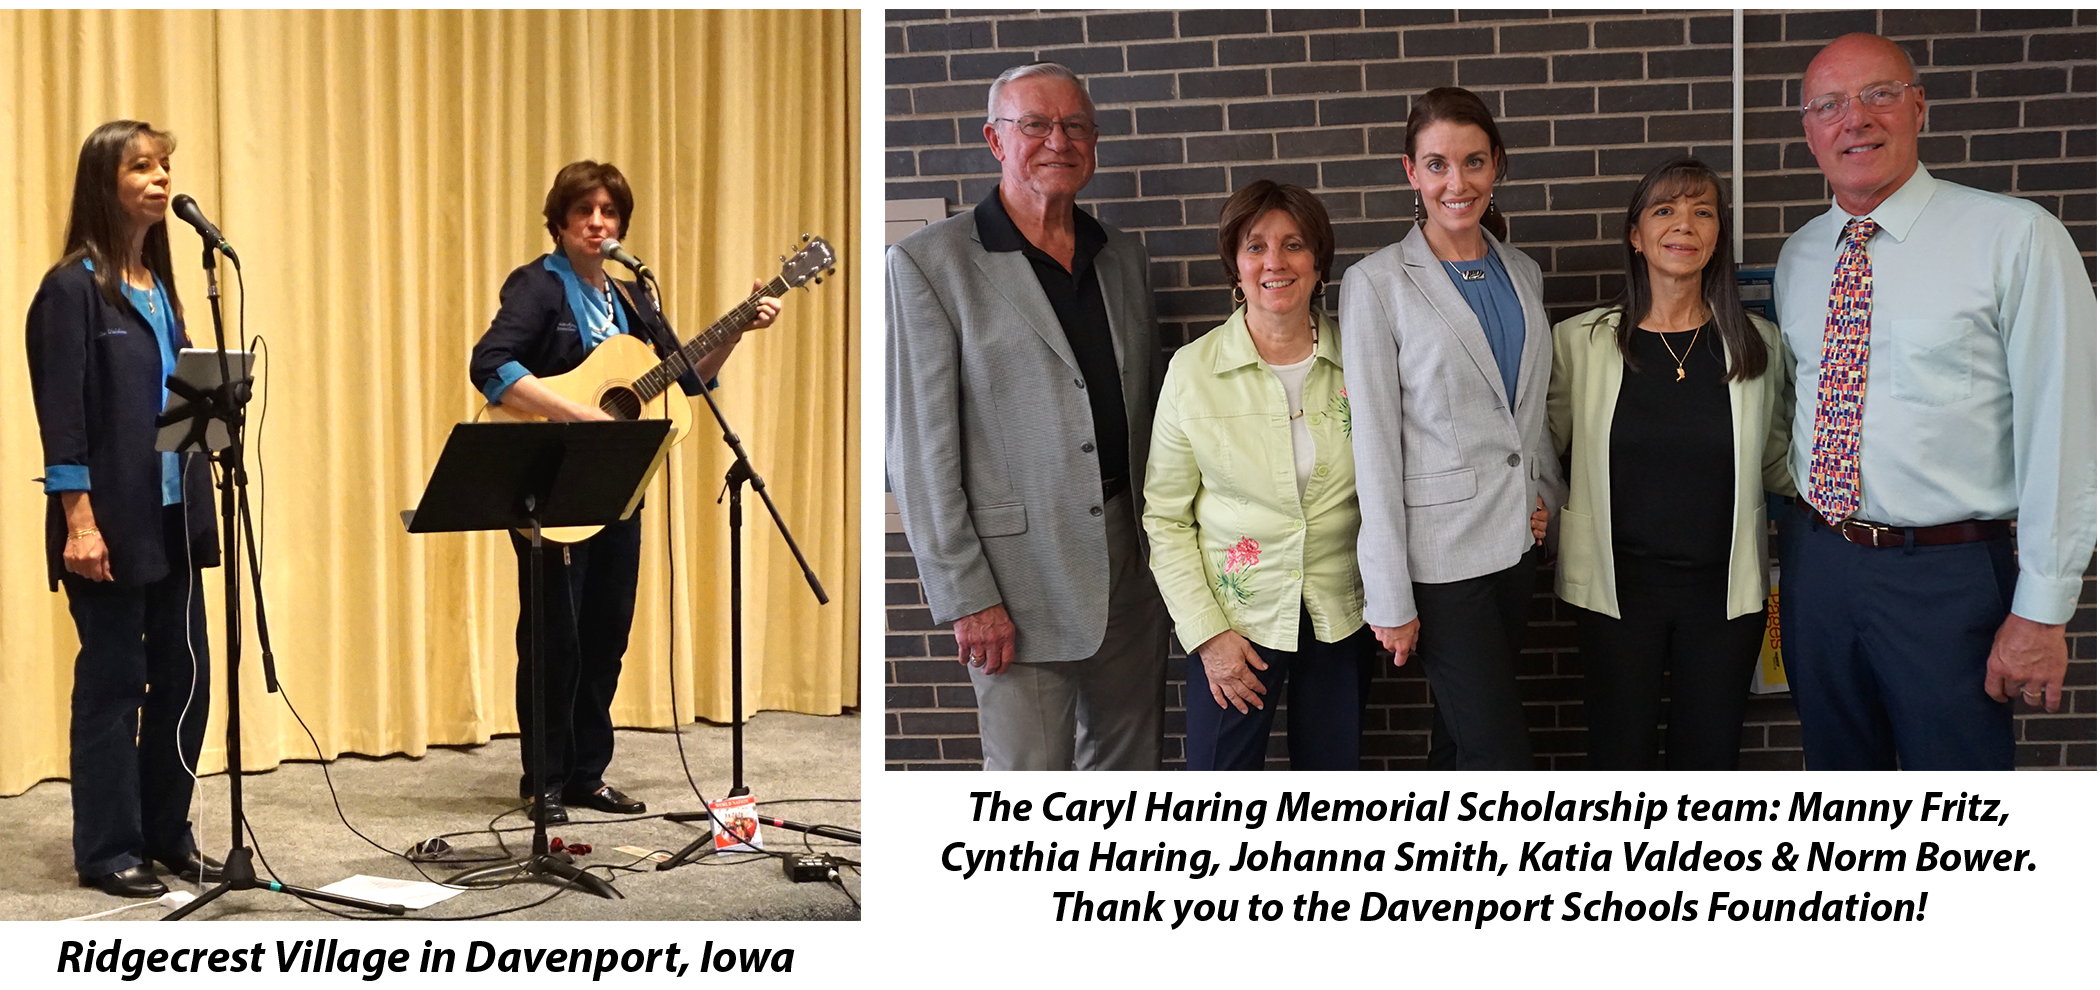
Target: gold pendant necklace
(1687,349)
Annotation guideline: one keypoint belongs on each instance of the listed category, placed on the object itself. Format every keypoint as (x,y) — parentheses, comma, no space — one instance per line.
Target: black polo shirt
(1076,298)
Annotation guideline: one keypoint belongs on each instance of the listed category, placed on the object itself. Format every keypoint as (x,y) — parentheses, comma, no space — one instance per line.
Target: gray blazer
(990,437)
(1447,467)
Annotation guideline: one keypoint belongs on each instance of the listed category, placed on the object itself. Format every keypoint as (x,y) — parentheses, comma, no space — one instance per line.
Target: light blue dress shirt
(1979,401)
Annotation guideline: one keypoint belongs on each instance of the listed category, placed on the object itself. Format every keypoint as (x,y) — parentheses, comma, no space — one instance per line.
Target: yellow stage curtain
(381,172)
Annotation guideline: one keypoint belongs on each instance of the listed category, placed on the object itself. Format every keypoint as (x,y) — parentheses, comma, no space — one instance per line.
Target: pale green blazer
(1233,546)
(1587,370)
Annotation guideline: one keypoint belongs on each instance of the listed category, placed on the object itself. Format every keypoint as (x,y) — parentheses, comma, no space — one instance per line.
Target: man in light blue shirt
(1964,400)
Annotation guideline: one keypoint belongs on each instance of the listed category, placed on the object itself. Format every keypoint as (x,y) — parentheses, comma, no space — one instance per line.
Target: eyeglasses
(1876,98)
(1078,128)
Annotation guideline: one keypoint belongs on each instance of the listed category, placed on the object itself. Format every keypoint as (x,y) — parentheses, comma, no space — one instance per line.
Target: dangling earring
(1319,299)
(1418,209)
(1238,298)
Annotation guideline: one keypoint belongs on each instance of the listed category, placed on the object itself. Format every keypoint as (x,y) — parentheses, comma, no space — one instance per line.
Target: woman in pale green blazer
(1250,502)
(1673,410)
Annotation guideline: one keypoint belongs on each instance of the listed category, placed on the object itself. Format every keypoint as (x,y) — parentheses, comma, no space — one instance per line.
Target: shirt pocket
(1932,360)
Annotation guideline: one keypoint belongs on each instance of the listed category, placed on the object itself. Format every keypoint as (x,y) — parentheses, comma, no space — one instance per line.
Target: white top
(1293,378)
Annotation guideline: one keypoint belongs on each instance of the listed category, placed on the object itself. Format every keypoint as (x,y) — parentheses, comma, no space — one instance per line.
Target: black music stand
(499,476)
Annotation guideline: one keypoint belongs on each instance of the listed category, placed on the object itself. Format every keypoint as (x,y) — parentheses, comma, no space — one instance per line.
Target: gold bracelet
(82,534)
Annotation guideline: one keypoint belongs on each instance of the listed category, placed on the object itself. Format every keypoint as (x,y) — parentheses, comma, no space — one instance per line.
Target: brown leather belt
(1869,534)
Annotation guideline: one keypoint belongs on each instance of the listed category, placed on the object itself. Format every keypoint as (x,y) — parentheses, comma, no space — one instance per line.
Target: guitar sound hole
(621,403)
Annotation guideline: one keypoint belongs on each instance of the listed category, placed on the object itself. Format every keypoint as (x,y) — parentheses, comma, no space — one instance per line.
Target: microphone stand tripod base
(240,875)
(553,869)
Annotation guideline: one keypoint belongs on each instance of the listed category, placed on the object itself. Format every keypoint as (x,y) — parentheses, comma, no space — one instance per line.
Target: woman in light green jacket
(1250,502)
(1673,409)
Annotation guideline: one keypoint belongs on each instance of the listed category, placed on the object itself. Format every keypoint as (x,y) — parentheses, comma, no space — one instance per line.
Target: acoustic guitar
(624,377)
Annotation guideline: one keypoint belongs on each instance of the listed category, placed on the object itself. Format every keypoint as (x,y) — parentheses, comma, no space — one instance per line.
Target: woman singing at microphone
(128,528)
(554,310)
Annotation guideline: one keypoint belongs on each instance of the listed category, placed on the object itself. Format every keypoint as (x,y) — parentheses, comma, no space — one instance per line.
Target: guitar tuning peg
(819,280)
(805,238)
(831,271)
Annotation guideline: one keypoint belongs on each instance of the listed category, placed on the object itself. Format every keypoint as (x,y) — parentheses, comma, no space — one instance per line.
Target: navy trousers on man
(139,707)
(589,608)
(1885,650)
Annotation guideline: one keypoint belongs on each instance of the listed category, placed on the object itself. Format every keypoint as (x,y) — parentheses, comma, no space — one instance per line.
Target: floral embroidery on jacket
(1240,558)
(1338,407)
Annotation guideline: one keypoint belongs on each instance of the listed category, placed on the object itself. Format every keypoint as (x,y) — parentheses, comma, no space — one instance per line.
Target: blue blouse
(1493,299)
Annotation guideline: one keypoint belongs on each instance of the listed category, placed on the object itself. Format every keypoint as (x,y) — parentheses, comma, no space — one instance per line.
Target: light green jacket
(1587,370)
(1233,547)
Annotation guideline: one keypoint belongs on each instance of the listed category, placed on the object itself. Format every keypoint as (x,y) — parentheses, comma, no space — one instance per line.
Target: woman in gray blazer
(1446,351)
(1674,412)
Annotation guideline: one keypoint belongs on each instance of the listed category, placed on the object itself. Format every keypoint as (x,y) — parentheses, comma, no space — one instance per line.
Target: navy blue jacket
(96,373)
(534,327)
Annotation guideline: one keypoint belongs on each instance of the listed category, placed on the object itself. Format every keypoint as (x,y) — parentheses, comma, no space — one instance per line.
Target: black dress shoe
(548,809)
(136,881)
(607,799)
(186,868)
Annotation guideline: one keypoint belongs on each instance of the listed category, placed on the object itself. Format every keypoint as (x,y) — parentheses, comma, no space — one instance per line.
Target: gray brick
(1314,20)
(1608,67)
(1691,63)
(1140,151)
(1344,205)
(1641,99)
(1895,23)
(937,723)
(974,190)
(1130,27)
(1362,172)
(1783,188)
(1232,148)
(1087,61)
(1977,51)
(2019,82)
(2024,20)
(1316,79)
(1412,74)
(1610,194)
(1224,84)
(900,133)
(1114,123)
(1362,46)
(1403,17)
(1370,234)
(1501,71)
(1956,85)
(903,71)
(2060,47)
(913,15)
(1173,55)
(1361,110)
(948,99)
(2015,145)
(982,65)
(1305,174)
(1828,25)
(1520,197)
(1542,227)
(1588,258)
(1713,30)
(1660,33)
(2081,79)
(2078,144)
(1389,203)
(894,748)
(1790,60)
(1544,37)
(1430,42)
(1131,89)
(1183,181)
(1259,51)
(1326,142)
(1565,289)
(948,36)
(1520,134)
(920,190)
(898,165)
(1972,116)
(1717,96)
(896,99)
(1634,161)
(1554,165)
(1689,127)
(1113,185)
(1389,140)
(1034,33)
(1599,130)
(1202,304)
(892,40)
(1530,102)
(1141,213)
(1180,118)
(1198,23)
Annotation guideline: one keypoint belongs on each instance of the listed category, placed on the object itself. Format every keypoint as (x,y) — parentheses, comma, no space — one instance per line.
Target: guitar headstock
(811,263)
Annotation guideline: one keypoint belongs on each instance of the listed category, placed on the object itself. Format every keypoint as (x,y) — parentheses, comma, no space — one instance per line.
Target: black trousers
(1472,631)
(1327,684)
(589,608)
(131,737)
(1680,630)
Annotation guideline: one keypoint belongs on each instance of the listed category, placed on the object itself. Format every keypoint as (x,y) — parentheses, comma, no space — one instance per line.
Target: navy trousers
(1327,684)
(1885,650)
(133,743)
(589,608)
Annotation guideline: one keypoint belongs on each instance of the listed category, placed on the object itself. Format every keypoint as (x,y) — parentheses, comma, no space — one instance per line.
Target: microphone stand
(228,403)
(739,474)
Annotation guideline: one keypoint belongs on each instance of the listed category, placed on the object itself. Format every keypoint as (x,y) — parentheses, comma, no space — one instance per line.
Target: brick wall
(1195,104)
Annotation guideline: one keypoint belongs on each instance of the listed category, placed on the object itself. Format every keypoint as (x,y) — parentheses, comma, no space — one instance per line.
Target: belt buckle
(1874,533)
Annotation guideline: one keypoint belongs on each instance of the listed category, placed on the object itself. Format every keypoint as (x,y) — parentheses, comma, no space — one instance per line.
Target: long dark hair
(1689,177)
(95,228)
(1460,106)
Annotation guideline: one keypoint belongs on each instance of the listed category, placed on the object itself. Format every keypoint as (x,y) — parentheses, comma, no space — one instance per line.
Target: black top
(534,327)
(1673,462)
(95,370)
(1076,297)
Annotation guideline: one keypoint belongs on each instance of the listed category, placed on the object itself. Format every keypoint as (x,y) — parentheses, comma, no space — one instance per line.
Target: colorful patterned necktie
(1841,384)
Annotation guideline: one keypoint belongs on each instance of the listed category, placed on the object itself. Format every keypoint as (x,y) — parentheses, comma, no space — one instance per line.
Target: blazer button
(1087,448)
(1515,460)
(1079,382)
(1094,511)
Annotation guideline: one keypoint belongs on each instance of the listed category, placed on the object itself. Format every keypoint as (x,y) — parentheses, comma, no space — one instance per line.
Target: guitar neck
(660,378)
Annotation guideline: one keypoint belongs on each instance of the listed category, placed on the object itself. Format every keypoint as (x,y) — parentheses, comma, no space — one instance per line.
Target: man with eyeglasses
(1022,340)
(1943,346)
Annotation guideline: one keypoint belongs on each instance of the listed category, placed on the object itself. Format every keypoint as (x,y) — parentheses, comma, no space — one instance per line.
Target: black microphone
(612,249)
(187,211)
